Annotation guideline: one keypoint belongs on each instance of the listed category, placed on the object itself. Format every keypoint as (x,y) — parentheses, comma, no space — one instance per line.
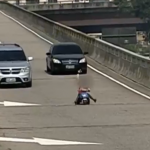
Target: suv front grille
(10,71)
(17,80)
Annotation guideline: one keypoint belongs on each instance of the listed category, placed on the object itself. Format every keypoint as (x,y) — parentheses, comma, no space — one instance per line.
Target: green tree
(123,5)
(140,8)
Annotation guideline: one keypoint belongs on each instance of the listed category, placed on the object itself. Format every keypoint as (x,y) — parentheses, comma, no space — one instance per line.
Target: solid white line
(94,69)
(120,83)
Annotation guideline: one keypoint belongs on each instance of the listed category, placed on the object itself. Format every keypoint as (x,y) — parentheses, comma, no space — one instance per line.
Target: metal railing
(41,2)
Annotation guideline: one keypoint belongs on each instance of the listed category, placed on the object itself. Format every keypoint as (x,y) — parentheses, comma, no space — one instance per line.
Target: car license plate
(10,80)
(70,66)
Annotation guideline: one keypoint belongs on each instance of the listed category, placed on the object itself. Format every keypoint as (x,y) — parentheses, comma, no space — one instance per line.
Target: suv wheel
(29,84)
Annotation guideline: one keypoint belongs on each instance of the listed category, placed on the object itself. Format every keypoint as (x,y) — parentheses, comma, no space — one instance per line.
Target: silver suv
(15,68)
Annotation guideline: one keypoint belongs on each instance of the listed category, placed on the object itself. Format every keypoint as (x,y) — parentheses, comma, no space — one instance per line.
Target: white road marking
(61,142)
(92,68)
(47,142)
(5,139)
(8,104)
(1,103)
(11,104)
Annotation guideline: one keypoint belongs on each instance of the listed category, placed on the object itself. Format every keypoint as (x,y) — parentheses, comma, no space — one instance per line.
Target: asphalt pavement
(120,120)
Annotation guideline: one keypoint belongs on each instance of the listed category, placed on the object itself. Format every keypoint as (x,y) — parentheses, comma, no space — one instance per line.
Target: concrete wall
(123,62)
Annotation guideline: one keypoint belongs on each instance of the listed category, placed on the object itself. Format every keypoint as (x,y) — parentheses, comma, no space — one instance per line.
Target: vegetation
(138,48)
(140,8)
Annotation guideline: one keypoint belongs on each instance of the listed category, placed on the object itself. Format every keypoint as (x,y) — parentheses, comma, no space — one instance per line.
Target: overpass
(93,20)
(87,17)
(66,4)
(119,120)
(34,4)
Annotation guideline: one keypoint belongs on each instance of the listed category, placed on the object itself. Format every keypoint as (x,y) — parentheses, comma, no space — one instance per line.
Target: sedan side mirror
(85,53)
(30,58)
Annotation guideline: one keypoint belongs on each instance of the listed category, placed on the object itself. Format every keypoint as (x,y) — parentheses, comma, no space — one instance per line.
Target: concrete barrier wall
(128,64)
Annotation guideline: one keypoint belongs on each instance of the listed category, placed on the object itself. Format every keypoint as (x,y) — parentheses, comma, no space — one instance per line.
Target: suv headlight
(25,70)
(83,60)
(56,61)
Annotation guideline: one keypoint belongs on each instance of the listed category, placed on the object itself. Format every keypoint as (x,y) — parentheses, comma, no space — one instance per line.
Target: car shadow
(12,86)
(62,73)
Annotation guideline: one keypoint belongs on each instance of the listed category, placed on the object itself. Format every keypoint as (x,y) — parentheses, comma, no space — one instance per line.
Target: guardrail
(122,61)
(24,2)
(71,5)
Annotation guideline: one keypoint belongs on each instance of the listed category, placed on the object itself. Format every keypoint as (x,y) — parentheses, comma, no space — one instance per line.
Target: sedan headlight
(83,60)
(25,70)
(56,61)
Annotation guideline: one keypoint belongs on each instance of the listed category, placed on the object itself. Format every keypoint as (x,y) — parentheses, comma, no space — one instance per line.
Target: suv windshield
(12,56)
(66,49)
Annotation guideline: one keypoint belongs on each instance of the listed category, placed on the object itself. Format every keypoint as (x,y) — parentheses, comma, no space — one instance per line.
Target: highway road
(120,120)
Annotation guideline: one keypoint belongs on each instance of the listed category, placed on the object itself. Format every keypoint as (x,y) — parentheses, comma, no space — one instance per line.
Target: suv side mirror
(85,53)
(30,58)
(48,53)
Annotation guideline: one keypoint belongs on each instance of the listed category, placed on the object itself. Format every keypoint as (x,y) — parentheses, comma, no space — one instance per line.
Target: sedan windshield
(66,49)
(12,56)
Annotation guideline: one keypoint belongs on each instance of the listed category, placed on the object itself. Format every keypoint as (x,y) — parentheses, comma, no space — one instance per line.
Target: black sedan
(66,57)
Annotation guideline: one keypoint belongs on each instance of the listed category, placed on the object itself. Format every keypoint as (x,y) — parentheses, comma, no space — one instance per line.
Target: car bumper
(68,68)
(19,79)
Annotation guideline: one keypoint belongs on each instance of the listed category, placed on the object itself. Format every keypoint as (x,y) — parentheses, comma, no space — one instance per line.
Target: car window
(66,49)
(12,56)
